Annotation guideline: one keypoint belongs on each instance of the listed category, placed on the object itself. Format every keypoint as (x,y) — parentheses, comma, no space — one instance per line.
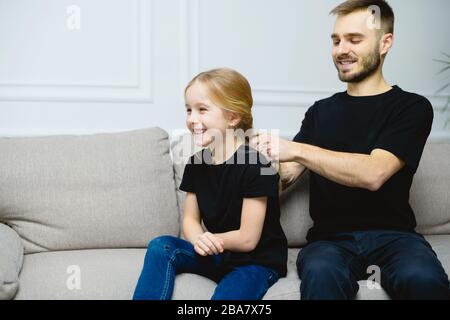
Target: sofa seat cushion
(113,274)
(109,274)
(441,245)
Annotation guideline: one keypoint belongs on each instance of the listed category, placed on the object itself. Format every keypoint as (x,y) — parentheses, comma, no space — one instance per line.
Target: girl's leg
(166,256)
(245,283)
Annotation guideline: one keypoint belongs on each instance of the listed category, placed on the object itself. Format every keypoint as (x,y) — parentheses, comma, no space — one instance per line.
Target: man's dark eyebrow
(354,34)
(348,35)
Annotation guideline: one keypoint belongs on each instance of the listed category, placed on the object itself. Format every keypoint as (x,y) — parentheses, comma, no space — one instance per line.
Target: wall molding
(139,90)
(263,95)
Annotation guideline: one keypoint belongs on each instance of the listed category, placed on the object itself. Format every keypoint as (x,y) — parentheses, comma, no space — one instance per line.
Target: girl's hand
(208,244)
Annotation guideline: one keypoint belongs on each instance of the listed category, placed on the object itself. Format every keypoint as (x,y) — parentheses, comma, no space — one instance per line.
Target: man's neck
(370,86)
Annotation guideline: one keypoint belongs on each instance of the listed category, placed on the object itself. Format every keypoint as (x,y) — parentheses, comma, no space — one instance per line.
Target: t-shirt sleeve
(187,183)
(406,134)
(260,180)
(305,133)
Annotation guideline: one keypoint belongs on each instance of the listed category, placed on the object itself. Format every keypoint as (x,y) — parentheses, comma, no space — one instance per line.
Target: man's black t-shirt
(395,121)
(220,190)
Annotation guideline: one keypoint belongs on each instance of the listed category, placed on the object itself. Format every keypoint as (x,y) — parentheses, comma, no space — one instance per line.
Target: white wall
(126,67)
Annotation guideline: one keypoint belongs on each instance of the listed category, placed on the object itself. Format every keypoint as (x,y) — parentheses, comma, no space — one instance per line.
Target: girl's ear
(233,120)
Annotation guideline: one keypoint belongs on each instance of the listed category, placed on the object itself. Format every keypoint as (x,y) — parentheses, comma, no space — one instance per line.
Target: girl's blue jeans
(167,256)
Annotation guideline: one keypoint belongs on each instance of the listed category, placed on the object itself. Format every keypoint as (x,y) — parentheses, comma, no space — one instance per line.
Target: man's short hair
(386,12)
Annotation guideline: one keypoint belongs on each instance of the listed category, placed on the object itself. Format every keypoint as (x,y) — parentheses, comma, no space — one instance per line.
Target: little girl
(243,248)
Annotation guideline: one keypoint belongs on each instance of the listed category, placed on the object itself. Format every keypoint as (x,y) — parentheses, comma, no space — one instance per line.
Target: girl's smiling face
(204,119)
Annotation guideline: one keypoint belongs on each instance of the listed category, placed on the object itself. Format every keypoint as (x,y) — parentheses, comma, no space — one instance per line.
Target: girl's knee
(162,244)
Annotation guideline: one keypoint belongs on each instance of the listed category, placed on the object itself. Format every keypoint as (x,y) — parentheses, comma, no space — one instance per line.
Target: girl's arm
(204,243)
(252,220)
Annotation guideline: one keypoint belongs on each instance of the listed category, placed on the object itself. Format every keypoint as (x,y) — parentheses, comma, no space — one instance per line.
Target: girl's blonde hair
(230,91)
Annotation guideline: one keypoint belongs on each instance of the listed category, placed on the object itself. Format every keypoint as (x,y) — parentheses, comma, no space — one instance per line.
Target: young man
(362,148)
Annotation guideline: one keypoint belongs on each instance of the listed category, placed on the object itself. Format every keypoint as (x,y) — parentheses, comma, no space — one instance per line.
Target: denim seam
(171,260)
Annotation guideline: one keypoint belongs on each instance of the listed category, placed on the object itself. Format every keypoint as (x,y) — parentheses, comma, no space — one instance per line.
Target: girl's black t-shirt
(396,121)
(220,190)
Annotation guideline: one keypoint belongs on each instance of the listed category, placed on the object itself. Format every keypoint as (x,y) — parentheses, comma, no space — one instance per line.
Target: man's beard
(370,64)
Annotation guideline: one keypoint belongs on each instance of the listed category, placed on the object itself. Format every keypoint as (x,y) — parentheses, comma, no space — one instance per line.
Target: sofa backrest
(430,192)
(112,190)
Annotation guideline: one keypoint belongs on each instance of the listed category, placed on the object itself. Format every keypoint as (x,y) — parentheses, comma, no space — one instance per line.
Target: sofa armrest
(11,259)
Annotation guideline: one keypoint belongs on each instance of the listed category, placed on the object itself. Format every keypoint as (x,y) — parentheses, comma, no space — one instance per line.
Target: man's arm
(289,173)
(349,169)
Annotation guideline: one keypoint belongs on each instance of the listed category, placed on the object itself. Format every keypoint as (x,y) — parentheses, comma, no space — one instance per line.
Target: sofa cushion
(109,274)
(441,245)
(430,192)
(95,191)
(11,258)
(295,217)
(80,274)
(182,147)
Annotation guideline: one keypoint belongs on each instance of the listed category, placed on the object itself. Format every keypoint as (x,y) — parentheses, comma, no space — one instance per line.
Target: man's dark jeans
(410,269)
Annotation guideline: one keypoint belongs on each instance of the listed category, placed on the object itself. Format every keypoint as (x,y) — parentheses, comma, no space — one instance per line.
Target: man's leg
(245,283)
(409,267)
(329,270)
(166,256)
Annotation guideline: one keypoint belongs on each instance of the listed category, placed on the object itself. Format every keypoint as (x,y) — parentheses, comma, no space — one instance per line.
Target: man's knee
(325,276)
(422,280)
(317,267)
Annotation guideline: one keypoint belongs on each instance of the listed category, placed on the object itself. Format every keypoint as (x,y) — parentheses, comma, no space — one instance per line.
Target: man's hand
(273,147)
(208,244)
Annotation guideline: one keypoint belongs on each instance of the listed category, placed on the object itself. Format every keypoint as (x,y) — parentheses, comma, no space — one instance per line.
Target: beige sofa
(77,213)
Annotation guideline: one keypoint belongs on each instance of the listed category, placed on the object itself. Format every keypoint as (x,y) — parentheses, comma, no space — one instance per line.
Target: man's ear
(386,43)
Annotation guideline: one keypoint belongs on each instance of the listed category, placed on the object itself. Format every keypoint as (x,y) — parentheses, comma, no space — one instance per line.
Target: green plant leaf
(442,61)
(443,70)
(446,107)
(443,88)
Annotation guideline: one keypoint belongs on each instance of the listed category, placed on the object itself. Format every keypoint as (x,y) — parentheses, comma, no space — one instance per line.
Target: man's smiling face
(356,48)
